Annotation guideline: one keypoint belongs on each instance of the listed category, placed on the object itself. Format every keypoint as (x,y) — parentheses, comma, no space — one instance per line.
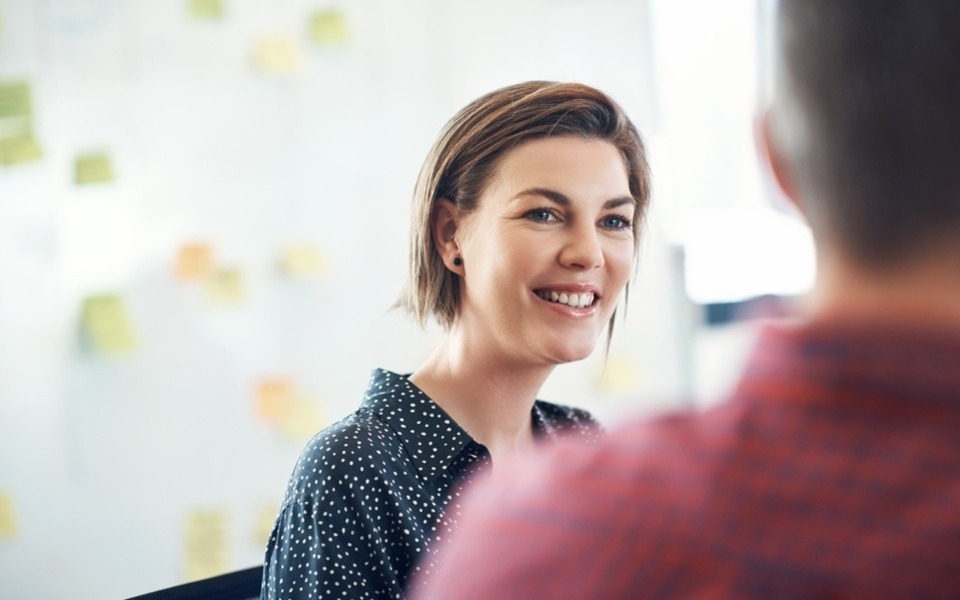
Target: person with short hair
(526,221)
(832,470)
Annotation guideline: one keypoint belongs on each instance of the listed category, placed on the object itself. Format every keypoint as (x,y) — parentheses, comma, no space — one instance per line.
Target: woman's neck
(487,395)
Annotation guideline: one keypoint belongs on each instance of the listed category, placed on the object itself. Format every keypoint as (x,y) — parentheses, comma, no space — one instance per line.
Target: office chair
(238,585)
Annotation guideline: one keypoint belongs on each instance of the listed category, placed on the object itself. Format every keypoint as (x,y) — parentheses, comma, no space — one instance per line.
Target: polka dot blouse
(371,493)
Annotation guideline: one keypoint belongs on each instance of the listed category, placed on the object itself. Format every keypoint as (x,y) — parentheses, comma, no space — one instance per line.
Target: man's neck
(925,291)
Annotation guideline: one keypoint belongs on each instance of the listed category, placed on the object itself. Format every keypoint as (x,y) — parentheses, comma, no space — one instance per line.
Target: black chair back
(238,585)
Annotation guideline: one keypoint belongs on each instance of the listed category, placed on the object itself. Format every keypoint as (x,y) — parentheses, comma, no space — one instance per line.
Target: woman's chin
(571,352)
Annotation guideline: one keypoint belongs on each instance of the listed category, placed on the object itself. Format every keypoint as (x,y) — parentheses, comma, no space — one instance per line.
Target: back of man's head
(866,113)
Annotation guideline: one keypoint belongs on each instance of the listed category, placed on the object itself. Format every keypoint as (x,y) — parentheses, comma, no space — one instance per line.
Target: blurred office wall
(203,225)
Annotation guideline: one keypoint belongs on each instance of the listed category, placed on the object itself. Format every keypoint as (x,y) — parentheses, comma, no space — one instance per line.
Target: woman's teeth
(573,300)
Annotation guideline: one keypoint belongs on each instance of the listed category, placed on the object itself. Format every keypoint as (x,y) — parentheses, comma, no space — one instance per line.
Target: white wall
(103,458)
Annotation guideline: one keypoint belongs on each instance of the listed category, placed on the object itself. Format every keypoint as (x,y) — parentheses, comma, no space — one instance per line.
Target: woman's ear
(445,222)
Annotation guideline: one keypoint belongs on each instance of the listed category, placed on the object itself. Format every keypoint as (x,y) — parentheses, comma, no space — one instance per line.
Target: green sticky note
(93,168)
(225,285)
(15,99)
(106,326)
(19,149)
(206,9)
(329,27)
(206,544)
(8,518)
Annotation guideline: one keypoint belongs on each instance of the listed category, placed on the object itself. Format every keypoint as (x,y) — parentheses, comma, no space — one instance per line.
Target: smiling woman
(555,220)
(526,222)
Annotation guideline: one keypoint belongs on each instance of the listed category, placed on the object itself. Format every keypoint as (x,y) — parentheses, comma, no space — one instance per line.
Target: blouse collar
(431,438)
(416,419)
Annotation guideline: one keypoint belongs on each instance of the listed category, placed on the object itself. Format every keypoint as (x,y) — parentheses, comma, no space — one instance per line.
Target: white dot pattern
(371,493)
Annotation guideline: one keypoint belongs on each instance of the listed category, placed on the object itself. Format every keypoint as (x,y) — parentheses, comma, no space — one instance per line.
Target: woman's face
(547,251)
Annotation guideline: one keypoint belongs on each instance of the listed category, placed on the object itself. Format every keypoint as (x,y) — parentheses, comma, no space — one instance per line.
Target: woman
(525,229)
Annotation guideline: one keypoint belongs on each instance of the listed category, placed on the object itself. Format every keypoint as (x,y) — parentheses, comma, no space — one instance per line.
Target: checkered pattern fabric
(833,471)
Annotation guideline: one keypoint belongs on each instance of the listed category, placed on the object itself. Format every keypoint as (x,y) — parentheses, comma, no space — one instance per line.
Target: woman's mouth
(581,300)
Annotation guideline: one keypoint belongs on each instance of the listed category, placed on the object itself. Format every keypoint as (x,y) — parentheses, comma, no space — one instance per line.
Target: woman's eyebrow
(551,195)
(619,201)
(558,198)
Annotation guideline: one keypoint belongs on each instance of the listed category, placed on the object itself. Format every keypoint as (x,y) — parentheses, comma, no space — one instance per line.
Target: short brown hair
(463,159)
(867,113)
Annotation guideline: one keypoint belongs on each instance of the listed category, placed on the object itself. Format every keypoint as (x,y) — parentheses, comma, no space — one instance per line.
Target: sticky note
(19,149)
(205,10)
(277,54)
(106,327)
(328,27)
(225,285)
(302,419)
(92,168)
(620,374)
(8,518)
(273,398)
(263,526)
(205,552)
(15,99)
(194,260)
(301,261)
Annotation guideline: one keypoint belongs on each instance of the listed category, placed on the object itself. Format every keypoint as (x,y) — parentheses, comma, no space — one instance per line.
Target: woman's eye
(541,215)
(615,222)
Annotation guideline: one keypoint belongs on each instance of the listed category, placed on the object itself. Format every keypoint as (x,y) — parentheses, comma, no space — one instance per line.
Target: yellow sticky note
(301,261)
(328,27)
(277,54)
(106,326)
(8,518)
(205,9)
(194,260)
(19,149)
(273,398)
(620,374)
(265,519)
(205,551)
(302,419)
(225,285)
(93,167)
(15,99)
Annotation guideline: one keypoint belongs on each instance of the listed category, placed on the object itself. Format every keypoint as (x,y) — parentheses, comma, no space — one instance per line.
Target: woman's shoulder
(358,437)
(363,432)
(567,420)
(359,444)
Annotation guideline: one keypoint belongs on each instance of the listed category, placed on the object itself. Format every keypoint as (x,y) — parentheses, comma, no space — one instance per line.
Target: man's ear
(445,222)
(772,157)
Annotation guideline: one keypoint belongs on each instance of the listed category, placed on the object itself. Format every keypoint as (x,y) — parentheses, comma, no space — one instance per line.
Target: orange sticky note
(274,395)
(194,261)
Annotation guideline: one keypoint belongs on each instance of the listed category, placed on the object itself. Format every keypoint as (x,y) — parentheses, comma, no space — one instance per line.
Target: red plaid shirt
(833,471)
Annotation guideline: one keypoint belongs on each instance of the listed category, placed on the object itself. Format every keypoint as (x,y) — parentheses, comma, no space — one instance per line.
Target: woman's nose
(582,250)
